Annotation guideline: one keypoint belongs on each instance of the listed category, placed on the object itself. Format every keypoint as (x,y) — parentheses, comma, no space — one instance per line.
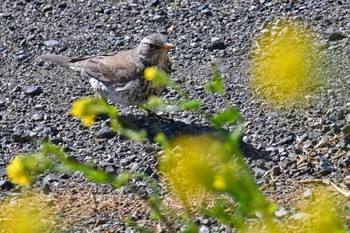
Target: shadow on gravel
(172,128)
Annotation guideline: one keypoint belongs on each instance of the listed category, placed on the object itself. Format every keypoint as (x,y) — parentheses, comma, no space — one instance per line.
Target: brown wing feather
(118,69)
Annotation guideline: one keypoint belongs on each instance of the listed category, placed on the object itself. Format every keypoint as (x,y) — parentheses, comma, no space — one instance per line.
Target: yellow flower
(18,172)
(158,77)
(192,164)
(219,183)
(150,73)
(27,213)
(87,109)
(287,64)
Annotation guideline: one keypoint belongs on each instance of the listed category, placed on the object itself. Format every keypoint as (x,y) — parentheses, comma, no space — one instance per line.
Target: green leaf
(216,85)
(230,116)
(121,180)
(191,104)
(133,134)
(154,102)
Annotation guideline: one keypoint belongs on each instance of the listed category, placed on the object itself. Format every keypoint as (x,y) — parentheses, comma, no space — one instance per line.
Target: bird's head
(153,49)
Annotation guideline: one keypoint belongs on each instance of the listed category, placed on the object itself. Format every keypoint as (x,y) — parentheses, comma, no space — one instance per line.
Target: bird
(119,76)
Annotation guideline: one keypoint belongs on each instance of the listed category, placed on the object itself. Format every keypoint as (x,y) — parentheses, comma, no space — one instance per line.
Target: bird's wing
(118,69)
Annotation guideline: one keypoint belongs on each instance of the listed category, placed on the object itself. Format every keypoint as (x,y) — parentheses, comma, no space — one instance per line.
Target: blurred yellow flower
(27,214)
(286,63)
(219,183)
(192,164)
(158,77)
(18,172)
(87,109)
(150,73)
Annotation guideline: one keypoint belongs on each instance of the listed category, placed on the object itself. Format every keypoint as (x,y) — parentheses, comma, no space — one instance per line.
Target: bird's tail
(57,59)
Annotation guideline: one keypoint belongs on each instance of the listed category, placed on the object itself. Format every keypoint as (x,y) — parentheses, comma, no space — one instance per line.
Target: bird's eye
(153,46)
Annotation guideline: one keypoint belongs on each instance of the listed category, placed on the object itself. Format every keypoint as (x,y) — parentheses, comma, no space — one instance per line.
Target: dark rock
(304,137)
(287,140)
(276,171)
(33,90)
(346,129)
(154,3)
(216,44)
(326,167)
(62,5)
(47,8)
(207,12)
(20,136)
(159,19)
(336,36)
(6,185)
(105,132)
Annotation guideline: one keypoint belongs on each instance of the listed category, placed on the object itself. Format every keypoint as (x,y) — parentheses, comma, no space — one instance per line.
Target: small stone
(20,136)
(3,171)
(51,43)
(204,229)
(346,129)
(110,169)
(134,167)
(314,135)
(281,213)
(334,34)
(258,172)
(326,167)
(341,114)
(47,8)
(37,117)
(62,5)
(343,144)
(6,15)
(6,185)
(135,216)
(271,149)
(105,132)
(21,55)
(287,140)
(276,170)
(99,9)
(217,44)
(207,12)
(33,90)
(307,193)
(304,137)
(50,178)
(347,118)
(154,3)
(159,19)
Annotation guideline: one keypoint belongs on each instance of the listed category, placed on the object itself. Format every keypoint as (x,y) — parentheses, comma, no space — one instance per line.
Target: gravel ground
(283,147)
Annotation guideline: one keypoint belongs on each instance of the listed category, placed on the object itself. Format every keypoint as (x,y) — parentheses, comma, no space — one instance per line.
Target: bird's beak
(168,46)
